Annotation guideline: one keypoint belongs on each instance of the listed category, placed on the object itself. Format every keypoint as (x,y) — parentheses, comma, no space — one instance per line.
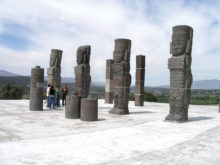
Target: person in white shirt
(48,91)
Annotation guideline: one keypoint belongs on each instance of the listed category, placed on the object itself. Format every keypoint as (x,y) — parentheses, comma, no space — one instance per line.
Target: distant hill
(6,73)
(206,84)
(16,79)
(200,84)
(64,79)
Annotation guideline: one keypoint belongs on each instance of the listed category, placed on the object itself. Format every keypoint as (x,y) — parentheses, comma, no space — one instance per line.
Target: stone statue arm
(171,52)
(126,55)
(189,78)
(188,47)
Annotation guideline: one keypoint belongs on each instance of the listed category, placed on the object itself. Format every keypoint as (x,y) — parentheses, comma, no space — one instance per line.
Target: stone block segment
(36,89)
(72,110)
(139,99)
(89,109)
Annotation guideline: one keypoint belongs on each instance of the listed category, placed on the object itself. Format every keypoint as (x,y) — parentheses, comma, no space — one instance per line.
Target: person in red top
(64,93)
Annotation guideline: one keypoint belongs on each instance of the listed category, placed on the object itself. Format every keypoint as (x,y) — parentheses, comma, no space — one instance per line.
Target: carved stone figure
(109,81)
(139,83)
(36,89)
(54,70)
(180,72)
(82,72)
(121,76)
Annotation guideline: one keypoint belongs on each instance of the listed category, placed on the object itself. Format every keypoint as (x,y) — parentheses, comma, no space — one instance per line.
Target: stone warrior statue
(54,70)
(180,72)
(82,72)
(121,76)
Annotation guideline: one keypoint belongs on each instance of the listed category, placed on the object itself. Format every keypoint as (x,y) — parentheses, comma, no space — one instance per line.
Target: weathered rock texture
(36,89)
(180,72)
(72,110)
(109,82)
(89,109)
(139,83)
(54,70)
(121,76)
(82,72)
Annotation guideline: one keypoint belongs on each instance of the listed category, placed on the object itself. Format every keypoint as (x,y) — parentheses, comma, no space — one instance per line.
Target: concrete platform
(142,137)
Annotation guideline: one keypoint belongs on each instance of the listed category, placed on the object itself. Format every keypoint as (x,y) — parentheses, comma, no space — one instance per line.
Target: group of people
(54,95)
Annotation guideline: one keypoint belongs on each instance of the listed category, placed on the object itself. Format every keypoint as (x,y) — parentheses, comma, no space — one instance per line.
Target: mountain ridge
(199,84)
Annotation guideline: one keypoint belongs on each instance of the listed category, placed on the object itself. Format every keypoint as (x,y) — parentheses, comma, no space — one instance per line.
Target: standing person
(52,97)
(64,93)
(48,93)
(58,96)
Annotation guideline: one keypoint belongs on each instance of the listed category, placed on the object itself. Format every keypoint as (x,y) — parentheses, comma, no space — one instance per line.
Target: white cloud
(68,24)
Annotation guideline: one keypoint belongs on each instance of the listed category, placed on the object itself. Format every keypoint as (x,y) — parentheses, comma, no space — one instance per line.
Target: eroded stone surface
(180,72)
(109,82)
(54,70)
(36,89)
(121,76)
(139,83)
(89,109)
(82,72)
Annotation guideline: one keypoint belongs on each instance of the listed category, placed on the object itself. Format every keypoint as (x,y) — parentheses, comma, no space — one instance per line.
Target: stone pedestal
(180,73)
(139,83)
(89,109)
(72,110)
(121,76)
(109,82)
(36,89)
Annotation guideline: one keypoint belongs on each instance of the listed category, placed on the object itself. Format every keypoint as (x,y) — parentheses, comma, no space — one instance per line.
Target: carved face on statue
(80,57)
(52,61)
(118,56)
(178,47)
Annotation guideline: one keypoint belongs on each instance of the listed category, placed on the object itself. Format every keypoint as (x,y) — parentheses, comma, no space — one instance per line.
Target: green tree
(148,96)
(8,91)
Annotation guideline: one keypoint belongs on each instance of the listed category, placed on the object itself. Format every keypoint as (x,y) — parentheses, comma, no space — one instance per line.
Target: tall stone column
(109,81)
(54,70)
(180,72)
(82,72)
(36,89)
(121,76)
(139,83)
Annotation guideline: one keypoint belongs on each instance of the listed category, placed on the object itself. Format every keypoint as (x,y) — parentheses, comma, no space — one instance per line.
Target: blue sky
(29,29)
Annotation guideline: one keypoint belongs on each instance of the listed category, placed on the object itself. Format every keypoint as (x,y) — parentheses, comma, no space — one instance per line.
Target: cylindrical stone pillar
(89,109)
(72,110)
(36,89)
(139,83)
(109,82)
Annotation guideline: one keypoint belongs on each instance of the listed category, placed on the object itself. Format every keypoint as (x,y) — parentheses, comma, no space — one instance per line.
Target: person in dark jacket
(52,97)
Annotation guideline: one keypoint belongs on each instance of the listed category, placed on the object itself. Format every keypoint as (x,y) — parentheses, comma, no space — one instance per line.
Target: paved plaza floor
(142,137)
